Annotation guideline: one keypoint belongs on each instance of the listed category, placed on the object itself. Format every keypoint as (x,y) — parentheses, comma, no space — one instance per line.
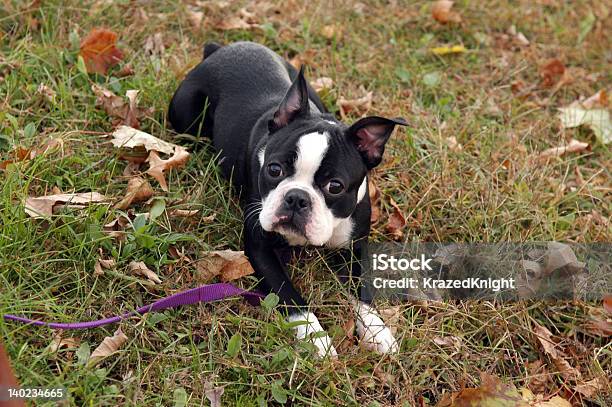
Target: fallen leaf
(58,342)
(158,166)
(245,20)
(19,154)
(126,137)
(331,31)
(551,72)
(397,222)
(607,303)
(453,144)
(154,45)
(46,92)
(598,100)
(103,264)
(492,392)
(550,348)
(117,109)
(213,394)
(441,12)
(518,36)
(538,376)
(455,49)
(374,194)
(574,146)
(43,206)
(109,345)
(592,387)
(138,190)
(183,213)
(140,268)
(359,106)
(597,119)
(322,83)
(227,264)
(448,341)
(392,316)
(99,51)
(195,18)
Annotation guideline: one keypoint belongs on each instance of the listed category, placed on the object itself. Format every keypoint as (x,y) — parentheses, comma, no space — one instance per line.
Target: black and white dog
(302,173)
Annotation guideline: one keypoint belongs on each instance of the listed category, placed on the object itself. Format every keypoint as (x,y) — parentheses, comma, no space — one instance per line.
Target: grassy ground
(490,99)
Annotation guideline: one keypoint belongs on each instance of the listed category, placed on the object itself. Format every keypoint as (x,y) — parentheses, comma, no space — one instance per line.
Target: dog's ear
(370,135)
(293,105)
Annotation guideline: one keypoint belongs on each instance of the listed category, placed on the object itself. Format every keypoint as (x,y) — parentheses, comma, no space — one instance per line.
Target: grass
(489,99)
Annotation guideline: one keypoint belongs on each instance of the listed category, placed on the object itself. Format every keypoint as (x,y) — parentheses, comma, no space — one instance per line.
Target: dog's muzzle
(295,210)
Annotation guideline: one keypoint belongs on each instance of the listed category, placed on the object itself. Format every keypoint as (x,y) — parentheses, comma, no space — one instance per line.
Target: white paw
(312,331)
(372,331)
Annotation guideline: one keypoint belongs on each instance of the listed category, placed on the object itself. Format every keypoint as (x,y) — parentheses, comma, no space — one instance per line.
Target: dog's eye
(334,187)
(275,170)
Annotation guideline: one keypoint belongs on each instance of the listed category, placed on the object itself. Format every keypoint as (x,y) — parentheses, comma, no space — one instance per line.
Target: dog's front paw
(310,329)
(373,332)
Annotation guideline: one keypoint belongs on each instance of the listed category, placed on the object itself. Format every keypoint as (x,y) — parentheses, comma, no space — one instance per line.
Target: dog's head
(313,169)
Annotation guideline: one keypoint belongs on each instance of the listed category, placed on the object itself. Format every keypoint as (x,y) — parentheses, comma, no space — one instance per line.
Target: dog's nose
(297,200)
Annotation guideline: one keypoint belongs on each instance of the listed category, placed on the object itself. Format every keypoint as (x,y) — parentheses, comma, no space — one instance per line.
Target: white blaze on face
(311,149)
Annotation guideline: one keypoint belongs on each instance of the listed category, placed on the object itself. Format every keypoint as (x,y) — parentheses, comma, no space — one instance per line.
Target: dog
(301,172)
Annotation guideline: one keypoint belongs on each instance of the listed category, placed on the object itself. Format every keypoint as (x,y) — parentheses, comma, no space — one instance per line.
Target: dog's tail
(209,48)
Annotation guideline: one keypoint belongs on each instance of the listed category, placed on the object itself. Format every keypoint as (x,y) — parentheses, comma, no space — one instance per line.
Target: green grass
(46,267)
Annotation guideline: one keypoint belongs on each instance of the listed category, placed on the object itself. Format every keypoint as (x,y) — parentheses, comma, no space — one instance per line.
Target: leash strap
(205,293)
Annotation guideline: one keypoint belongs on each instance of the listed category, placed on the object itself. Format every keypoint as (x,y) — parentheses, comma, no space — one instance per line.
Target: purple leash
(205,293)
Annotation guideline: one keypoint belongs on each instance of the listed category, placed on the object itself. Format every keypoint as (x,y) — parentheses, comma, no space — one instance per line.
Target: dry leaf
(46,92)
(359,106)
(592,387)
(374,194)
(138,190)
(43,206)
(574,146)
(213,394)
(593,113)
(154,45)
(245,20)
(323,83)
(448,341)
(492,392)
(455,49)
(607,303)
(551,72)
(441,12)
(453,144)
(58,342)
(183,213)
(227,264)
(550,348)
(331,31)
(109,345)
(128,137)
(158,166)
(140,268)
(195,18)
(397,222)
(102,264)
(117,109)
(99,51)
(392,317)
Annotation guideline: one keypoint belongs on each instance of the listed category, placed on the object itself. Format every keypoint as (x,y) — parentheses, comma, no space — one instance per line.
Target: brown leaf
(117,109)
(140,268)
(599,325)
(227,264)
(551,72)
(322,83)
(43,206)
(157,166)
(607,303)
(102,264)
(448,341)
(358,106)
(397,222)
(109,345)
(597,101)
(538,376)
(453,144)
(593,387)
(99,51)
(138,190)
(183,213)
(19,154)
(574,146)
(392,316)
(374,194)
(331,31)
(154,45)
(441,12)
(213,394)
(195,18)
(126,137)
(58,342)
(245,20)
(550,348)
(492,392)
